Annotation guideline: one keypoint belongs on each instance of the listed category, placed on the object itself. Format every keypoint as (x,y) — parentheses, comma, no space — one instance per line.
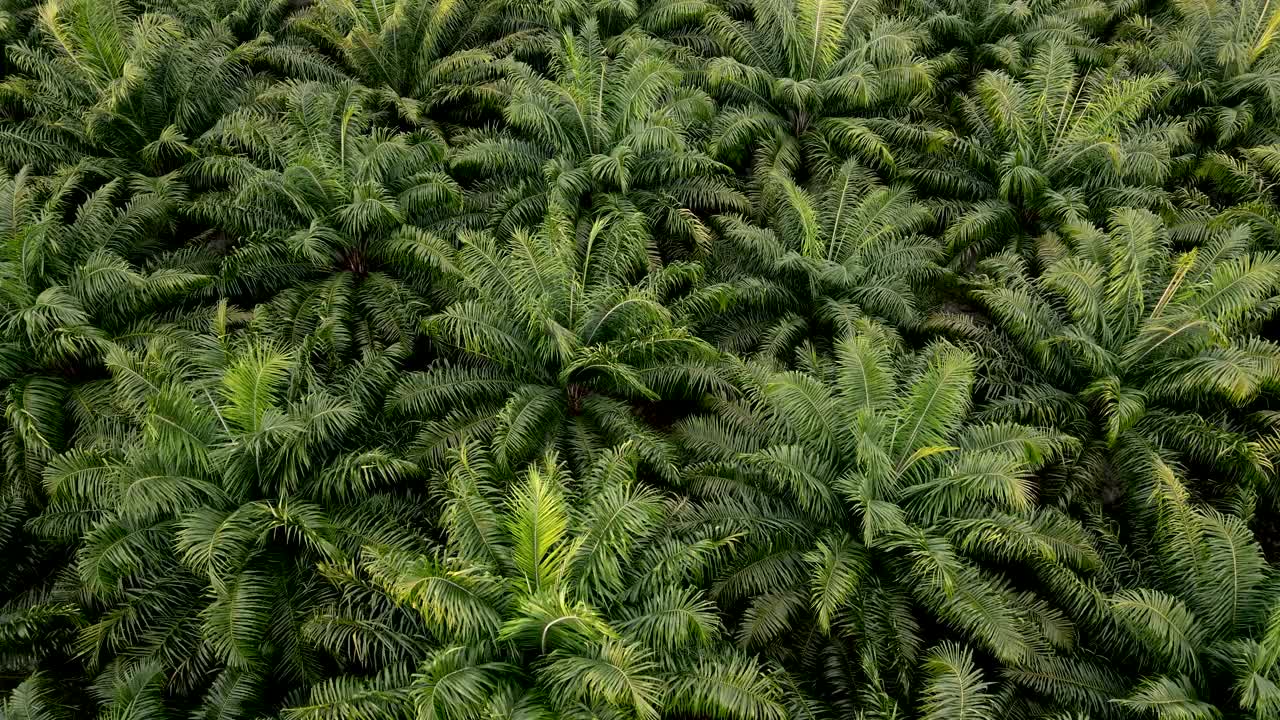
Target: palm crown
(70,291)
(556,344)
(811,82)
(1007,35)
(537,606)
(864,465)
(1227,86)
(603,136)
(336,214)
(423,56)
(120,91)
(197,532)
(1224,62)
(849,247)
(1122,341)
(1209,586)
(1053,146)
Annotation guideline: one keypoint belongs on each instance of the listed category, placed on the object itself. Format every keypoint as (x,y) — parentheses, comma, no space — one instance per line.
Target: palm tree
(851,247)
(539,604)
(332,213)
(1226,80)
(1135,348)
(1006,36)
(1205,626)
(556,344)
(1048,148)
(197,535)
(810,83)
(423,57)
(875,516)
(605,135)
(76,279)
(119,91)
(1226,86)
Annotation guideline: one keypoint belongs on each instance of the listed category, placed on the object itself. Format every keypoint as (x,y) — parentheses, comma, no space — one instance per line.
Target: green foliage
(807,84)
(602,136)
(118,89)
(639,360)
(553,609)
(554,343)
(1120,340)
(869,487)
(848,248)
(421,57)
(335,214)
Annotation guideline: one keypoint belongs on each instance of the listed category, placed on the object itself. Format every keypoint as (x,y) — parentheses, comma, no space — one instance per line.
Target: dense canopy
(640,359)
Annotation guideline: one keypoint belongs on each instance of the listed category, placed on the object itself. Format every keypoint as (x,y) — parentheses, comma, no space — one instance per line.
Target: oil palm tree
(849,248)
(539,604)
(122,91)
(1006,36)
(196,536)
(1047,147)
(1226,72)
(553,343)
(333,215)
(1227,88)
(424,57)
(78,274)
(70,288)
(1130,345)
(605,134)
(875,516)
(1193,630)
(808,83)
(1203,628)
